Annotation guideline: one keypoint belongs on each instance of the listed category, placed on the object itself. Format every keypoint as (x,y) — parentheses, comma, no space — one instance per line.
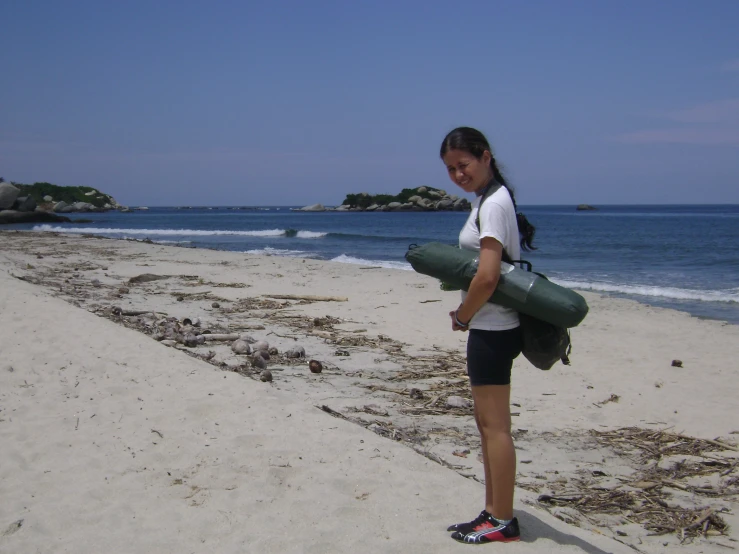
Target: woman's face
(466,171)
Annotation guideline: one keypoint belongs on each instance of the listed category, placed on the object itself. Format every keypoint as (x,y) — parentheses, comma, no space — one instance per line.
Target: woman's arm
(485,280)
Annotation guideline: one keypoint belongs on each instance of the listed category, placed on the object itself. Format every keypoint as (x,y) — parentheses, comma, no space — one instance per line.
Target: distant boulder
(62,208)
(25,204)
(8,195)
(460,204)
(585,207)
(445,204)
(313,208)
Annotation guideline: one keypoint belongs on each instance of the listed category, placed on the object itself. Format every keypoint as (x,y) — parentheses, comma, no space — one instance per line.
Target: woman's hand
(456,323)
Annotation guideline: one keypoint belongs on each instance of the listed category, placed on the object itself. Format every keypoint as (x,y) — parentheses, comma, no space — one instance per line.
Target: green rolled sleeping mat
(524,291)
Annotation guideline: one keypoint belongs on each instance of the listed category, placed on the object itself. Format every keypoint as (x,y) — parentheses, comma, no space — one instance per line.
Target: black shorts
(490,355)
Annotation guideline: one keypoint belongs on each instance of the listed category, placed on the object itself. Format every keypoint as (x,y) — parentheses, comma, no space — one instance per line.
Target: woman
(494,340)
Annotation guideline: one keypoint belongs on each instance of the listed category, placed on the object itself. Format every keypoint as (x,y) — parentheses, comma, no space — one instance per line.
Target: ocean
(683,257)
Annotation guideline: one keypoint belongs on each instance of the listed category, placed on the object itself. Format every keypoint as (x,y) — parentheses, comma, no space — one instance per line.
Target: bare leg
(493,415)
(486,465)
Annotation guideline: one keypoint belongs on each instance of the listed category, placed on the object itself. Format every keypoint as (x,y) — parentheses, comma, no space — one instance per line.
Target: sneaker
(470,525)
(490,530)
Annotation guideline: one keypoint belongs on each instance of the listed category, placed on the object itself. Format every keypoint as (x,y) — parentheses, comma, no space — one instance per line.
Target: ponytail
(525,229)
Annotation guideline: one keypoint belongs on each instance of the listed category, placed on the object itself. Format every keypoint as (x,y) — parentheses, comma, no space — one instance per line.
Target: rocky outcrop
(25,204)
(14,216)
(64,208)
(312,208)
(585,207)
(422,199)
(8,195)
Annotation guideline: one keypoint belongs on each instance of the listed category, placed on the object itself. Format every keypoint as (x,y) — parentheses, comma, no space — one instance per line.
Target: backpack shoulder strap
(490,189)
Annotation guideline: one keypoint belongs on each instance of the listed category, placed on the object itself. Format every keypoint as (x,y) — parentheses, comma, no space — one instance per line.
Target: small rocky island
(421,199)
(43,202)
(585,208)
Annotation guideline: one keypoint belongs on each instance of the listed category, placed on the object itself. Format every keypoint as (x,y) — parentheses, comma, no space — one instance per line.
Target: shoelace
(479,520)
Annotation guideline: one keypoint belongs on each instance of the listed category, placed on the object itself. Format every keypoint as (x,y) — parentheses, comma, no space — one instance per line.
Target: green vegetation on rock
(70,195)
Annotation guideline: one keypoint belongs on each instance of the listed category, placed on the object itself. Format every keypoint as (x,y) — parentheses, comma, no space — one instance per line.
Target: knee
(491,427)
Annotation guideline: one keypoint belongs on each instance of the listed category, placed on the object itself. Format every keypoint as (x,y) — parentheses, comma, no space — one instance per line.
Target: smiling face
(466,171)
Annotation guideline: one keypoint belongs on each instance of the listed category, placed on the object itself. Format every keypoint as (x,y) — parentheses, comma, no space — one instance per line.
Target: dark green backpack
(544,344)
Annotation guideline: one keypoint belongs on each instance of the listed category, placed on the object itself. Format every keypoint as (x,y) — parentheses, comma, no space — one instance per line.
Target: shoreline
(645,300)
(393,326)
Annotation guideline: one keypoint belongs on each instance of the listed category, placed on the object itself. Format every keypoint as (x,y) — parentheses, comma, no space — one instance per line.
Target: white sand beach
(113,442)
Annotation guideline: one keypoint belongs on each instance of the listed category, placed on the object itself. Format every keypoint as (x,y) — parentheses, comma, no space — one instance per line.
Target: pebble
(315,366)
(295,352)
(215,305)
(240,347)
(266,376)
(261,345)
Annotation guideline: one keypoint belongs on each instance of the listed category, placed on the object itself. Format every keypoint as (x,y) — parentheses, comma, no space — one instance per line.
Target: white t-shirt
(497,220)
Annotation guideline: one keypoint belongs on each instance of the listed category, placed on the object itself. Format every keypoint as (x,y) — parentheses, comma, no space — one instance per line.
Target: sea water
(683,257)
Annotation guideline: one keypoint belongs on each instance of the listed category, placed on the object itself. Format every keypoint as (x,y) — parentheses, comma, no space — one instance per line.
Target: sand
(113,442)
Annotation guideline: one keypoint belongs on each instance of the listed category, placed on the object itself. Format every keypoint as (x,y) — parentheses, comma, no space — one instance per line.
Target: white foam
(728,295)
(267,251)
(166,232)
(344,259)
(172,241)
(310,235)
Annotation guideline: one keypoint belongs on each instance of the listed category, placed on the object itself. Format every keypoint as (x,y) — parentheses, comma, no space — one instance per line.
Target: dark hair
(474,142)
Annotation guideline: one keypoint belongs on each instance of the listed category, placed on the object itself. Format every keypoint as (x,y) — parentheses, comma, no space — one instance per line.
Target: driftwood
(309,297)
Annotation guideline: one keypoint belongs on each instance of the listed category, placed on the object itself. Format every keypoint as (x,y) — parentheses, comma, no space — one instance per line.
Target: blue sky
(290,103)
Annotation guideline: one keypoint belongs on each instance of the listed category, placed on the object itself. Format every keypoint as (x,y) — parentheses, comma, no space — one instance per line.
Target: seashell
(458,402)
